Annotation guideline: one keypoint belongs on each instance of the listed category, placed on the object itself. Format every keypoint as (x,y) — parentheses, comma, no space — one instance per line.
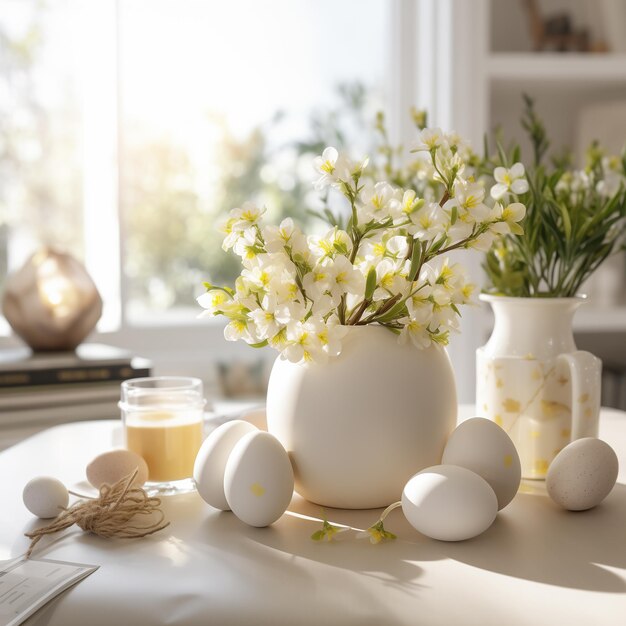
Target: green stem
(388,510)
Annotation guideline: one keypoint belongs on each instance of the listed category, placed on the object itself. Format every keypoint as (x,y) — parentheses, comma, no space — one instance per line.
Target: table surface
(537,564)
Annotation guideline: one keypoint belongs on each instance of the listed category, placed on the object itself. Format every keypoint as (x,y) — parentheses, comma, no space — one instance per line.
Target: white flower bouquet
(386,265)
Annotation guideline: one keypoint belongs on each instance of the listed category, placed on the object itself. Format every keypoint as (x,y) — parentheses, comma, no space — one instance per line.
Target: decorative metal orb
(51,302)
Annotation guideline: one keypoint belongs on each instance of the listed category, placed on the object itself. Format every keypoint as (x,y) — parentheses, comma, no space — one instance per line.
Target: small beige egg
(109,467)
(449,503)
(45,496)
(582,474)
(208,469)
(480,445)
(258,480)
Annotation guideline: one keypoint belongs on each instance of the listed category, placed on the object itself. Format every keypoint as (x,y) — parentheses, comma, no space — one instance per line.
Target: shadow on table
(532,539)
(550,545)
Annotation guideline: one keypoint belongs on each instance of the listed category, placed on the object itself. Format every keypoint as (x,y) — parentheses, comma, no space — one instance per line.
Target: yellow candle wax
(168,441)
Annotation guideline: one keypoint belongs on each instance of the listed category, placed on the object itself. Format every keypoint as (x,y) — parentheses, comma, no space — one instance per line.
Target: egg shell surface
(449,503)
(582,474)
(210,463)
(258,480)
(109,467)
(45,496)
(480,445)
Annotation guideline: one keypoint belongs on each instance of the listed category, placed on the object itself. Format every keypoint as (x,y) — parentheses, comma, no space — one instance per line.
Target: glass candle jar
(162,420)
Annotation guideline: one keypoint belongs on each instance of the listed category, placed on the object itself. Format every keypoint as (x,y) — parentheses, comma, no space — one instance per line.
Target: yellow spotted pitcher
(531,380)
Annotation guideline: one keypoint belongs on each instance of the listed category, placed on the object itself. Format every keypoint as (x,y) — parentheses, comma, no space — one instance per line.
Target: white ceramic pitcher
(532,381)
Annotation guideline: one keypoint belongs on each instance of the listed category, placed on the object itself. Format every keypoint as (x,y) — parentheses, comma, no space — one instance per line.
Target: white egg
(258,480)
(582,474)
(208,469)
(480,445)
(109,467)
(449,503)
(45,496)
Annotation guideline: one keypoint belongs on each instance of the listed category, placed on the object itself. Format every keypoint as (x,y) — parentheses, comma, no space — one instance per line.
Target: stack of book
(38,390)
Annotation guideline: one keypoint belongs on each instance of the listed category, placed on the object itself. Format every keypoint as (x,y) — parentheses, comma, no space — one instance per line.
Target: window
(152,118)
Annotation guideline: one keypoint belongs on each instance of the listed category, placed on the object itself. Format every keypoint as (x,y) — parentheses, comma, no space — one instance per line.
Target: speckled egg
(582,474)
(45,496)
(109,467)
(258,480)
(449,503)
(208,469)
(480,445)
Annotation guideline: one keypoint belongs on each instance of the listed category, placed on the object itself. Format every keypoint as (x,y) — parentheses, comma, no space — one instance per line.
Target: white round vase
(358,427)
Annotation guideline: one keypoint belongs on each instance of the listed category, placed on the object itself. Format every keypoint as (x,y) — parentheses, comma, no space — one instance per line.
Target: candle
(163,424)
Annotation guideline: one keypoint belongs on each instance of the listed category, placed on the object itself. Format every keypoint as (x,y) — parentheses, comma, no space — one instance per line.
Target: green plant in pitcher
(575,218)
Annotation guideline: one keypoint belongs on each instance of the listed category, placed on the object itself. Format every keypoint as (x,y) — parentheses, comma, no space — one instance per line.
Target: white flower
(277,238)
(345,278)
(514,212)
(231,235)
(509,180)
(318,281)
(334,242)
(505,221)
(272,315)
(240,328)
(212,301)
(304,344)
(484,242)
(434,289)
(430,222)
(346,169)
(394,247)
(470,196)
(258,277)
(245,244)
(444,320)
(248,215)
(325,165)
(331,338)
(284,286)
(389,279)
(415,328)
(378,202)
(407,206)
(429,139)
(323,304)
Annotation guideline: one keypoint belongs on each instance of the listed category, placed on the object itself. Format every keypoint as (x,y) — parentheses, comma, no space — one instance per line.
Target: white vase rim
(490,297)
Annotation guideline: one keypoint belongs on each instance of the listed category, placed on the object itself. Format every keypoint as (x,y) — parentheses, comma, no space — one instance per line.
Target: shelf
(542,67)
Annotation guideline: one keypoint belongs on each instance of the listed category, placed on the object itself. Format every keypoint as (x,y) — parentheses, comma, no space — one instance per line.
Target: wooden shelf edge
(538,66)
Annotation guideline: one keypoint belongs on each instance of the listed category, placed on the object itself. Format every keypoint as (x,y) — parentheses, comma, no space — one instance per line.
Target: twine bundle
(112,514)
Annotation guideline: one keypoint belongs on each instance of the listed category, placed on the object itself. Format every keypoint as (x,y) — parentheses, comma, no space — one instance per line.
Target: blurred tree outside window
(40,131)
(217,103)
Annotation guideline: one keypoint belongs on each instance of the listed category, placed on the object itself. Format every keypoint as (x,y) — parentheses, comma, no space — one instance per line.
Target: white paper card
(27,584)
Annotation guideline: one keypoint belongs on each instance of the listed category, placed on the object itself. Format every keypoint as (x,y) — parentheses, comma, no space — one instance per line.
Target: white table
(536,565)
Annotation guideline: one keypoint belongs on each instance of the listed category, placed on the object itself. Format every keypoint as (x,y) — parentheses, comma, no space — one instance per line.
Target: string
(116,512)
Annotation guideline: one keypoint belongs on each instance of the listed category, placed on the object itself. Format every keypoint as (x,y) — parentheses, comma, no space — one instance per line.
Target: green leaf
(332,220)
(567,223)
(209,286)
(340,247)
(261,344)
(397,311)
(416,260)
(370,283)
(318,535)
